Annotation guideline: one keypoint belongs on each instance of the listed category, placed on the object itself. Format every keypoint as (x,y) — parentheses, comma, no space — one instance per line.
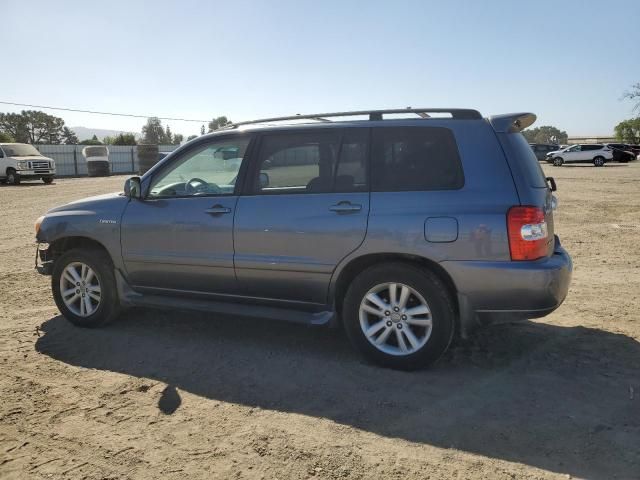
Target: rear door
(305,210)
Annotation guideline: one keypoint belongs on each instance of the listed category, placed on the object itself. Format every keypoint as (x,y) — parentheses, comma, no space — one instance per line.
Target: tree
(545,134)
(178,138)
(6,138)
(628,131)
(69,137)
(202,130)
(217,123)
(32,126)
(168,136)
(153,132)
(93,141)
(125,139)
(634,95)
(191,137)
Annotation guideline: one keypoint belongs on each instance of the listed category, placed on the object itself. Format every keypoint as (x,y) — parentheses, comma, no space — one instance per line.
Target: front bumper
(36,173)
(516,289)
(44,260)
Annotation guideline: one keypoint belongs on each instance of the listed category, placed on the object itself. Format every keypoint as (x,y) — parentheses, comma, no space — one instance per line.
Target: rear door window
(416,158)
(318,161)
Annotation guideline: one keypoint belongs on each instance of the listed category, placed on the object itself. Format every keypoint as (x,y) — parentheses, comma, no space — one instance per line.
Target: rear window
(415,158)
(517,146)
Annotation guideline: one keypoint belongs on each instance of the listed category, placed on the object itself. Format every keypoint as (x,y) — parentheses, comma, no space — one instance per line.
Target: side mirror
(264,180)
(133,188)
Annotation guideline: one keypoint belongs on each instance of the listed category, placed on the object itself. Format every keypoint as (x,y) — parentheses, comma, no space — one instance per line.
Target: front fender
(99,222)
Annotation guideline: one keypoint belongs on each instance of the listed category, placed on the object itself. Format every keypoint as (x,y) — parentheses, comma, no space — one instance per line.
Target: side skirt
(132,298)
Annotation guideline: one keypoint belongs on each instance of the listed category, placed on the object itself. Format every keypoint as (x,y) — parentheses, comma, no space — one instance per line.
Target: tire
(424,288)
(558,162)
(108,306)
(13,178)
(47,180)
(598,161)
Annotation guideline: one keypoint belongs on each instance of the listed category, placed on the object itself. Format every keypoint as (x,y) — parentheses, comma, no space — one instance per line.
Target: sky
(569,62)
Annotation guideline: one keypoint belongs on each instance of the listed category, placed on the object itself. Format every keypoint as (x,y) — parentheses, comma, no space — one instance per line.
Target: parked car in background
(403,230)
(596,153)
(541,149)
(21,161)
(622,152)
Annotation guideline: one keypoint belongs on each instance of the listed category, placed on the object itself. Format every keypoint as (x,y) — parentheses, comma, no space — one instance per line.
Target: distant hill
(84,133)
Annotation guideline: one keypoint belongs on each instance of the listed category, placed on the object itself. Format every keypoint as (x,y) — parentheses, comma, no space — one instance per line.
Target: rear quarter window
(415,159)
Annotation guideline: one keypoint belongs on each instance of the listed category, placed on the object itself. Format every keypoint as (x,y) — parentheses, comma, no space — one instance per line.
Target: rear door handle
(345,207)
(217,210)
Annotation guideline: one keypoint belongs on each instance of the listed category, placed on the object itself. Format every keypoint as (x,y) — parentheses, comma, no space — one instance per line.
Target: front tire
(399,316)
(47,180)
(598,161)
(13,178)
(558,161)
(84,287)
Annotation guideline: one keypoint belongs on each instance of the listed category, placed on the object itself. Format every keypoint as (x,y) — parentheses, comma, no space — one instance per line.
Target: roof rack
(456,113)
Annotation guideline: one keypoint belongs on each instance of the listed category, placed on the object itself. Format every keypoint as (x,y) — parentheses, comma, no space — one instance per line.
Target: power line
(102,113)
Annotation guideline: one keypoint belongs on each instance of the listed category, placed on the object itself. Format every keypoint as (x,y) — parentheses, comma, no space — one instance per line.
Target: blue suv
(402,230)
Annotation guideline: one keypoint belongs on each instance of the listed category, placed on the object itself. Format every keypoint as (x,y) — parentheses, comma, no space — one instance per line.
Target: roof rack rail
(456,113)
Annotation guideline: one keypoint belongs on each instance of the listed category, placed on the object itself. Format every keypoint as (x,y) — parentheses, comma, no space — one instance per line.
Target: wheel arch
(359,264)
(64,244)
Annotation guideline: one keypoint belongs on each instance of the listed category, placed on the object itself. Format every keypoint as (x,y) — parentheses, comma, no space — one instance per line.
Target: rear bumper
(515,289)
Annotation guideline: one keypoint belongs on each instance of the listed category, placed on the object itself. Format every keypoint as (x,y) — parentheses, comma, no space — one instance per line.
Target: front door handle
(217,210)
(345,207)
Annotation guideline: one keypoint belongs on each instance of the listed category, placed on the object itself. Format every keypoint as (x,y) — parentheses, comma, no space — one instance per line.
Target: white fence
(71,163)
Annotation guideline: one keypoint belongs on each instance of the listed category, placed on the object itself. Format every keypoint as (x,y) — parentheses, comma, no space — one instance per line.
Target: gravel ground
(177,395)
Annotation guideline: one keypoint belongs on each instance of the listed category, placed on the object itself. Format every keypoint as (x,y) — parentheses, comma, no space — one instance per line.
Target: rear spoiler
(511,122)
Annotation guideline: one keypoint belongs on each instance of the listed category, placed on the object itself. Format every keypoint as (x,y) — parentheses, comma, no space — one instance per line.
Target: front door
(180,236)
(306,210)
(573,154)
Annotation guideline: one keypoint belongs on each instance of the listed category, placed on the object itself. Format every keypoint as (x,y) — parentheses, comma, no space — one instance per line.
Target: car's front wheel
(598,161)
(558,161)
(399,315)
(13,178)
(47,180)
(84,287)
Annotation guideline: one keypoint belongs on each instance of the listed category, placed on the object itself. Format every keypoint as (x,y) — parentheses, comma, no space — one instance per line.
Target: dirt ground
(176,395)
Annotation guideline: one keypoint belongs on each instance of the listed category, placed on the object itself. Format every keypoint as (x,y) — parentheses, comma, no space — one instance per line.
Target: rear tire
(558,161)
(407,332)
(85,300)
(598,161)
(13,178)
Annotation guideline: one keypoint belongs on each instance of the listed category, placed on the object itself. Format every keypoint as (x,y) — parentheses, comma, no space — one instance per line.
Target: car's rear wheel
(558,161)
(47,180)
(84,287)
(399,316)
(598,161)
(13,178)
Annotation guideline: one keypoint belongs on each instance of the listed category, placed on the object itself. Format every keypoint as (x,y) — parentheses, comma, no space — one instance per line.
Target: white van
(21,161)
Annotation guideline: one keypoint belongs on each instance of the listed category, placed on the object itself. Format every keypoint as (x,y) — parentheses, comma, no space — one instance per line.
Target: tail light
(528,234)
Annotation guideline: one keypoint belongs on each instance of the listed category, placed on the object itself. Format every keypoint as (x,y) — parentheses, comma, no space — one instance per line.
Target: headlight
(38,223)
(22,165)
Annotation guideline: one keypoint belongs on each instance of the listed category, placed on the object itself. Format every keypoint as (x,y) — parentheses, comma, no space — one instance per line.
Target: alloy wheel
(395,319)
(80,289)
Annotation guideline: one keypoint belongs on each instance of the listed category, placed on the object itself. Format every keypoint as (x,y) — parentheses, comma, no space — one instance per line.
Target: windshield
(20,150)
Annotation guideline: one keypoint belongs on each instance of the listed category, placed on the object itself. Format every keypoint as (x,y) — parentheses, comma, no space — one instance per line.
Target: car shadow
(557,398)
